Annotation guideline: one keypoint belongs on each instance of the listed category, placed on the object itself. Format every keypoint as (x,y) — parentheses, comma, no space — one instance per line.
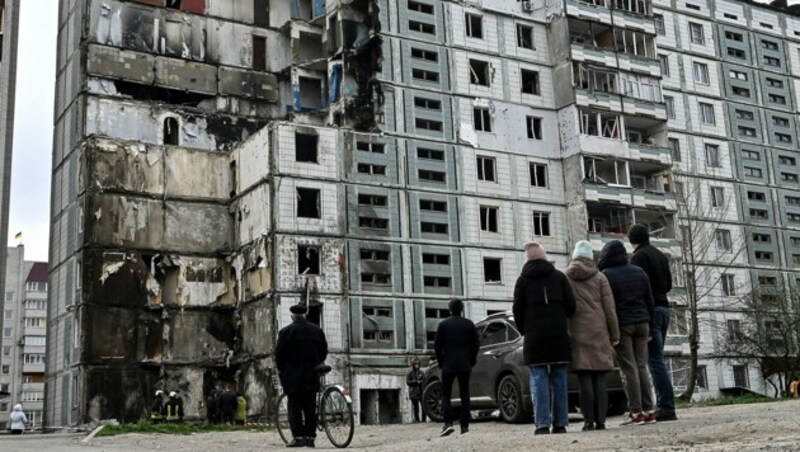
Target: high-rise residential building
(9,20)
(217,162)
(24,331)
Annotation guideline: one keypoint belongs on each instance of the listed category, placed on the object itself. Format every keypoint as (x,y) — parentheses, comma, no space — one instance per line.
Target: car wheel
(509,401)
(432,401)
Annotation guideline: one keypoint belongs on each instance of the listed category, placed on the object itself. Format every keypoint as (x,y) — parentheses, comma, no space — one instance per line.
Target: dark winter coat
(629,283)
(542,302)
(656,265)
(594,324)
(414,380)
(227,403)
(300,349)
(456,344)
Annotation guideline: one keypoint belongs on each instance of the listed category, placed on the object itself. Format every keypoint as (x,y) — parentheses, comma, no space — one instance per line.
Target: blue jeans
(665,397)
(549,394)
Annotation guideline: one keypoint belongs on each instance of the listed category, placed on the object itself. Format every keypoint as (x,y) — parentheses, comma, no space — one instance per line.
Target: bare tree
(707,244)
(769,335)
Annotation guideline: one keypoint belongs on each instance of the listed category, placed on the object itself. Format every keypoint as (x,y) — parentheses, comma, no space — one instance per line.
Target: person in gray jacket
(17,421)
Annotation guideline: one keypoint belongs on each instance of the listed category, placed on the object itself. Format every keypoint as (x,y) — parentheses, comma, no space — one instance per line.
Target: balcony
(598,99)
(641,107)
(648,152)
(639,63)
(634,20)
(592,42)
(610,194)
(606,181)
(594,10)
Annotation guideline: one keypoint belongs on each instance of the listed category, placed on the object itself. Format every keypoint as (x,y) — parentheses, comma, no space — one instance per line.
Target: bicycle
(334,412)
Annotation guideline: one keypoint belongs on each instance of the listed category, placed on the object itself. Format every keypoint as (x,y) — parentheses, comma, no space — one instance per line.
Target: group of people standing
(590,319)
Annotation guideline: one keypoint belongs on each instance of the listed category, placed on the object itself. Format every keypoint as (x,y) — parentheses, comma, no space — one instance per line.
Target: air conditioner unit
(527,6)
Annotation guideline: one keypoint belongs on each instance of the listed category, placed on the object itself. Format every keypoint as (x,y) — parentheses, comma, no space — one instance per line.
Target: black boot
(297,442)
(310,441)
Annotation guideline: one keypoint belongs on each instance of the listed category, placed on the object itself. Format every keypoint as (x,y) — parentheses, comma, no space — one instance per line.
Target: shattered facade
(217,161)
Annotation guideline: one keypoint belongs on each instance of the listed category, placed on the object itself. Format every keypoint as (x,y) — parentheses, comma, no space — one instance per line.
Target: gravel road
(769,426)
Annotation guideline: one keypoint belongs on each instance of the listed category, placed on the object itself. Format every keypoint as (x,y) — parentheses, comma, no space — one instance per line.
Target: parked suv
(500,378)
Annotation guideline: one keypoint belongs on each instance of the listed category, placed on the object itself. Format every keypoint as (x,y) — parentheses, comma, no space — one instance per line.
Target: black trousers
(416,405)
(593,395)
(302,414)
(447,393)
(227,416)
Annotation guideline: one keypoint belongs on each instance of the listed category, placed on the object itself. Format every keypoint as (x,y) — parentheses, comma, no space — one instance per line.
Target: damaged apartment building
(217,161)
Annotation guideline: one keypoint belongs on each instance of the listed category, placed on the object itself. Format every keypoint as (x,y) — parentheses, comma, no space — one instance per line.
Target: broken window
(600,124)
(308,202)
(534,126)
(593,79)
(479,72)
(171,131)
(383,279)
(427,55)
(525,36)
(428,76)
(365,146)
(310,92)
(173,4)
(430,154)
(530,81)
(261,13)
(541,224)
(307,260)
(372,169)
(305,147)
(428,124)
(259,53)
(373,200)
(488,218)
(375,255)
(373,223)
(435,259)
(436,281)
(486,168)
(482,119)
(474,24)
(492,270)
(421,27)
(430,227)
(538,175)
(420,7)
(635,43)
(432,176)
(432,206)
(430,104)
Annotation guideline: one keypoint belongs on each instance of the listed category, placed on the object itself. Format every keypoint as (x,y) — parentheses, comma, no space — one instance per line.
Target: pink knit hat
(534,250)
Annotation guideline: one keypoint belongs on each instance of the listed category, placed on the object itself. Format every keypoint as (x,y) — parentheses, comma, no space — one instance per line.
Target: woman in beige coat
(594,332)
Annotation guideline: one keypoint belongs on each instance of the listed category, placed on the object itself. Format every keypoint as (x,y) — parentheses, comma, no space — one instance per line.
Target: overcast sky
(33,127)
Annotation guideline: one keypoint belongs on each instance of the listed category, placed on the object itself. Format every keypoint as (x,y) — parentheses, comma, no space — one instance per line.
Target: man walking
(542,302)
(655,264)
(414,381)
(456,346)
(300,349)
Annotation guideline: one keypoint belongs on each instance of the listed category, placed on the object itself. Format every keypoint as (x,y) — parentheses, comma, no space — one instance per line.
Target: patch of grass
(727,400)
(145,426)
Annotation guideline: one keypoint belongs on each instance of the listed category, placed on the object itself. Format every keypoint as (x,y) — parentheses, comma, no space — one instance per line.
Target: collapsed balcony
(612,222)
(591,35)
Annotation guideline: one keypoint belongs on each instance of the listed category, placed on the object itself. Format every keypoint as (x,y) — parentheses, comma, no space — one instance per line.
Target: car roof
(507,316)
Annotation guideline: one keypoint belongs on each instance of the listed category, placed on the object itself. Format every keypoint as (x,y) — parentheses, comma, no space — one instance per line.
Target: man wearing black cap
(655,264)
(456,346)
(301,348)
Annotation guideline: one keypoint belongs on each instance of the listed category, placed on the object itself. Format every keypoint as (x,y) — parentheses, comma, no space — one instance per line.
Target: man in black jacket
(456,346)
(226,404)
(655,264)
(634,304)
(542,302)
(300,349)
(414,381)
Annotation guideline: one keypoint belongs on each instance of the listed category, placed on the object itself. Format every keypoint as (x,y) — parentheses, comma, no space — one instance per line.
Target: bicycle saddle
(323,369)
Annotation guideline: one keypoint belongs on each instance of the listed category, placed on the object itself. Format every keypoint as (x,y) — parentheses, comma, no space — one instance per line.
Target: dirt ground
(769,426)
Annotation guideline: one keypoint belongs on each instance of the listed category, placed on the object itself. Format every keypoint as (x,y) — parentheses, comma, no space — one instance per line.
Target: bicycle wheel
(336,416)
(282,418)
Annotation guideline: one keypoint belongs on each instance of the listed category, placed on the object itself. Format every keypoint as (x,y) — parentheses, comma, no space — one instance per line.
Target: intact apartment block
(217,161)
(24,336)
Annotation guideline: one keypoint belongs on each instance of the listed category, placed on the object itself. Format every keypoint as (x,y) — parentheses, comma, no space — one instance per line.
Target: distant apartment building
(24,337)
(217,162)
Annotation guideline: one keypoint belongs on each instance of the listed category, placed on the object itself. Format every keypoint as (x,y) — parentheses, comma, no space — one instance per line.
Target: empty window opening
(430,227)
(482,119)
(758,214)
(427,55)
(430,154)
(474,25)
(783,137)
(788,177)
(488,218)
(763,255)
(747,131)
(744,114)
(372,169)
(432,206)
(744,92)
(751,155)
(436,281)
(431,176)
(421,27)
(534,127)
(173,4)
(308,203)
(310,92)
(420,7)
(530,81)
(373,200)
(479,72)
(430,104)
(314,314)
(366,146)
(756,196)
(311,47)
(524,36)
(427,76)
(428,124)
(593,79)
(259,53)
(375,255)
(373,223)
(786,160)
(308,260)
(605,125)
(612,172)
(492,270)
(780,121)
(171,132)
(486,168)
(538,175)
(305,147)
(730,16)
(541,224)
(772,61)
(762,238)
(776,99)
(435,259)
(380,279)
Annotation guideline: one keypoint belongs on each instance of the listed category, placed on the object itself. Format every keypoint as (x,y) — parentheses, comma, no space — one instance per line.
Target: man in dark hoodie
(542,302)
(634,305)
(456,346)
(655,264)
